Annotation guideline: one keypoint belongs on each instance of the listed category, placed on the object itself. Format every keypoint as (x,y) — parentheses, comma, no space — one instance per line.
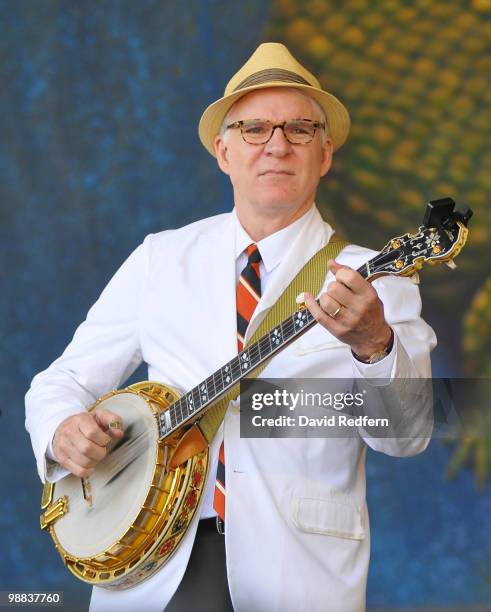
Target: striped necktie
(248,292)
(248,296)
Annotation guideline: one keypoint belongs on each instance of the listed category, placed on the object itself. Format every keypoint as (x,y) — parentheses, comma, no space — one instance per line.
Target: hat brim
(337,115)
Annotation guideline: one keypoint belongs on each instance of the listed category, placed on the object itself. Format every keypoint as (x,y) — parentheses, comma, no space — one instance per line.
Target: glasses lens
(299,132)
(256,132)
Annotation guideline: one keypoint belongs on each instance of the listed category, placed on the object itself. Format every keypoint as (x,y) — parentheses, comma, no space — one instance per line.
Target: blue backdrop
(98,115)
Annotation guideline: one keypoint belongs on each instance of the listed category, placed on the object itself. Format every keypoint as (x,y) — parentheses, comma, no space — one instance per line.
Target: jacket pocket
(328,517)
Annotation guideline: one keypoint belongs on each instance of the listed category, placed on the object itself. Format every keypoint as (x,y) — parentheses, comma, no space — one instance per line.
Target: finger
(84,447)
(353,281)
(110,423)
(84,452)
(93,432)
(330,306)
(350,278)
(319,314)
(77,470)
(340,293)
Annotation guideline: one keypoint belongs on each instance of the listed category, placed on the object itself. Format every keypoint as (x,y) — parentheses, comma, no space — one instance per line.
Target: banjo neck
(438,240)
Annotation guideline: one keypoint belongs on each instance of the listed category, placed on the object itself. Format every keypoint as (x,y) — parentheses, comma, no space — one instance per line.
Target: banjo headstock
(438,240)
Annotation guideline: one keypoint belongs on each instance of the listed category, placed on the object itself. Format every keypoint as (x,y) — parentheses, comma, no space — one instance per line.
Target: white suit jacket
(297,531)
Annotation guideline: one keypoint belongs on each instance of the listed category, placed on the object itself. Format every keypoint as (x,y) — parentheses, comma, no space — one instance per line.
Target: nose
(277,145)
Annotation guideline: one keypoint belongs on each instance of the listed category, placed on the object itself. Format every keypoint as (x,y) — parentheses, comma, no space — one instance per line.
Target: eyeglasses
(260,131)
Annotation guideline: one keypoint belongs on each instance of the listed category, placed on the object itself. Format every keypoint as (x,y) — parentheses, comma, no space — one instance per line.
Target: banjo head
(125,475)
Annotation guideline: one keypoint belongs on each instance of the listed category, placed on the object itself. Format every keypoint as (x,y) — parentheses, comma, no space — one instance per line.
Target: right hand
(80,441)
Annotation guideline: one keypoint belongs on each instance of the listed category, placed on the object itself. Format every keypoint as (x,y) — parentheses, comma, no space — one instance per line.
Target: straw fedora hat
(272,65)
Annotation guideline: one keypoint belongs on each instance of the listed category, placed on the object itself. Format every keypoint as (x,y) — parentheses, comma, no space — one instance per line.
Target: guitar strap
(312,275)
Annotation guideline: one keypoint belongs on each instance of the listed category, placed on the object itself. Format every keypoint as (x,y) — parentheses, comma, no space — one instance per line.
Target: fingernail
(115,425)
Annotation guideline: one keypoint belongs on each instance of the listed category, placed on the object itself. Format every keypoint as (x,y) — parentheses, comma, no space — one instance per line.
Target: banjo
(121,525)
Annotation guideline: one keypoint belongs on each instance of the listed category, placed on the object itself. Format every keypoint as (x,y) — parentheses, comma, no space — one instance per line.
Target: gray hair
(316,107)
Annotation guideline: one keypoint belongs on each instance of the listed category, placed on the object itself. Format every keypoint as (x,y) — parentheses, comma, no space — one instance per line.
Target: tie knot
(253,254)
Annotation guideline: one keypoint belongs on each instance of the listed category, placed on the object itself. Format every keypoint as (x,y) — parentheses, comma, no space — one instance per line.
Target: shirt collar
(273,247)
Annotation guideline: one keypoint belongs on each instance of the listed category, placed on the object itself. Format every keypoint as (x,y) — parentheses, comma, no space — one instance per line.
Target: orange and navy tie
(248,292)
(248,296)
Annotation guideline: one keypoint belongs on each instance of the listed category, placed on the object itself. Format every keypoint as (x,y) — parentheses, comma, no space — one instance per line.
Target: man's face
(276,178)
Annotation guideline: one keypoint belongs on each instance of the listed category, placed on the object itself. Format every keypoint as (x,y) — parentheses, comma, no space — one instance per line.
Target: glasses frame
(240,124)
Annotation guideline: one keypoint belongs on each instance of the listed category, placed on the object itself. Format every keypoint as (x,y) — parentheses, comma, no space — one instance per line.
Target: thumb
(109,422)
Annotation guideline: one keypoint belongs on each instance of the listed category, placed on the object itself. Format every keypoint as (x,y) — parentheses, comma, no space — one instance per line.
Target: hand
(360,320)
(80,441)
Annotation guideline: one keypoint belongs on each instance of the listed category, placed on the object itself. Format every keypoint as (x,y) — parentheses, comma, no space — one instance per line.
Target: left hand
(360,320)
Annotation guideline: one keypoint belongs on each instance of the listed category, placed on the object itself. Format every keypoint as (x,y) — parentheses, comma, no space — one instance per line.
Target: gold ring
(335,313)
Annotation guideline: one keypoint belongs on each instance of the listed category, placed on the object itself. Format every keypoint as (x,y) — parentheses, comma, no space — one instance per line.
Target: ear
(221,153)
(326,157)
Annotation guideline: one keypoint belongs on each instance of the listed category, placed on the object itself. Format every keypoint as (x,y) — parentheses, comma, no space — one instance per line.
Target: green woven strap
(311,277)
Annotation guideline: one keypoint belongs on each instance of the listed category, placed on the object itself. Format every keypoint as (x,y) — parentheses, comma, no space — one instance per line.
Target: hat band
(271,74)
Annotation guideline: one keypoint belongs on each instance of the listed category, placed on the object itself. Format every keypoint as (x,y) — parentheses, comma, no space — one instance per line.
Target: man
(297,534)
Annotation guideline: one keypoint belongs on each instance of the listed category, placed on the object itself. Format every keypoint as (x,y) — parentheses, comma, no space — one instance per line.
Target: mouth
(276,173)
